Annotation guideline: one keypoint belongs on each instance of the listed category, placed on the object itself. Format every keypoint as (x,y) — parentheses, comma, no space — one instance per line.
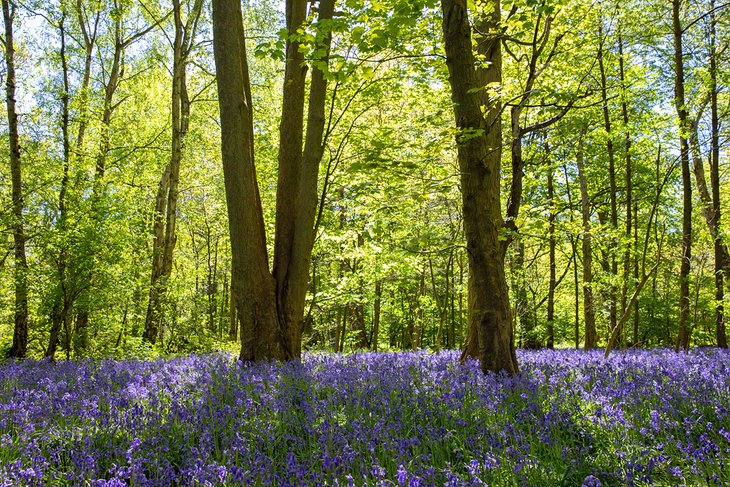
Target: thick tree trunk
(479,153)
(19,347)
(296,202)
(589,316)
(679,99)
(252,283)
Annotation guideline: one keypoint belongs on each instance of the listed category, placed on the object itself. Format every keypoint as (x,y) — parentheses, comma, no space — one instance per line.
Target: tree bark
(296,202)
(19,347)
(679,99)
(479,149)
(271,304)
(252,284)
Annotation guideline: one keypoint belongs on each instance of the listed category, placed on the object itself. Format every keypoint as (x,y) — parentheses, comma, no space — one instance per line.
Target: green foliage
(389,217)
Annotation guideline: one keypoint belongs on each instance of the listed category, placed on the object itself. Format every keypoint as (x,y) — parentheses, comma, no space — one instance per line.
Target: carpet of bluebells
(393,419)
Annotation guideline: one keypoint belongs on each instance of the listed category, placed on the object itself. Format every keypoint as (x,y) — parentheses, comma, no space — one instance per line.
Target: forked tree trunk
(165,218)
(270,303)
(479,146)
(19,347)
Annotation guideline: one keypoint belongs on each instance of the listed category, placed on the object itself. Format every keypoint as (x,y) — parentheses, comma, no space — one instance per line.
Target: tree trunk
(552,243)
(62,292)
(110,86)
(613,264)
(711,203)
(296,202)
(628,232)
(251,282)
(479,145)
(167,194)
(376,314)
(722,260)
(19,347)
(684,271)
(274,332)
(589,317)
(232,313)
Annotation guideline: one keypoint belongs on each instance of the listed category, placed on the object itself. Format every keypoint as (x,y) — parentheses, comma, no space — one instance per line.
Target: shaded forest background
(126,242)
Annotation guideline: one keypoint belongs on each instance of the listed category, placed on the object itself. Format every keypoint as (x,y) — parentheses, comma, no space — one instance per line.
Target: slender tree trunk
(684,272)
(232,313)
(167,194)
(574,258)
(479,145)
(636,273)
(19,347)
(589,317)
(722,259)
(83,303)
(376,314)
(613,264)
(418,315)
(522,305)
(62,292)
(576,288)
(552,244)
(628,230)
(711,202)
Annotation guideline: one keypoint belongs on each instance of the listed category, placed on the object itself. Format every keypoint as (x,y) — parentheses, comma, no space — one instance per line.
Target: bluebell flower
(591,481)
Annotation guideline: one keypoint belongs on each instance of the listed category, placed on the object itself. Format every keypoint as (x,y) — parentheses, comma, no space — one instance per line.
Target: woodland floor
(409,418)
